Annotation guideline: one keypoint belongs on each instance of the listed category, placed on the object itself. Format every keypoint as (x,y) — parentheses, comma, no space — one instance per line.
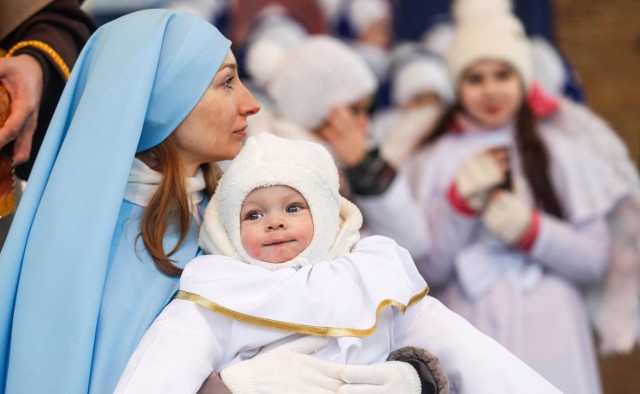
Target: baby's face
(275,224)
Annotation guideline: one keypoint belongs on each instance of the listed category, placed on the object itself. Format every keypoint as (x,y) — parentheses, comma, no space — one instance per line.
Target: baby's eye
(253,216)
(294,208)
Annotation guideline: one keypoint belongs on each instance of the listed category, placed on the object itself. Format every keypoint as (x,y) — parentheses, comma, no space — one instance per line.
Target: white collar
(143,182)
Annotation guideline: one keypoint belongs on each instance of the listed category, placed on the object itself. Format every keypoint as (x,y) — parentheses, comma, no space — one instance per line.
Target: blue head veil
(137,78)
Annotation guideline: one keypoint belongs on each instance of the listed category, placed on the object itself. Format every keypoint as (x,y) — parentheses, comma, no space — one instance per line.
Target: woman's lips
(492,110)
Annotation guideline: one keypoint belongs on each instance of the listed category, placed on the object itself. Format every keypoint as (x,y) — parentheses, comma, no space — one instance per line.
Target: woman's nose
(248,104)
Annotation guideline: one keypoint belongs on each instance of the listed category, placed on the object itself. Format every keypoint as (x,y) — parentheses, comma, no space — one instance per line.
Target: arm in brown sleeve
(55,35)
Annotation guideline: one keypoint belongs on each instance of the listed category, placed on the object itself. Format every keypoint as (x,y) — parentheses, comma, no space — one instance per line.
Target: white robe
(340,298)
(530,302)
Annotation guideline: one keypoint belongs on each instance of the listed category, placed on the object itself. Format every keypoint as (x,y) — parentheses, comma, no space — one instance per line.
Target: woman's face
(491,92)
(216,127)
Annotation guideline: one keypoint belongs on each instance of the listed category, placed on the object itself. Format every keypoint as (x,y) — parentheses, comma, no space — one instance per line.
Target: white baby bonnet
(268,160)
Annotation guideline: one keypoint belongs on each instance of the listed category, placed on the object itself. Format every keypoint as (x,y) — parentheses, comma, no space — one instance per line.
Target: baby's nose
(276,224)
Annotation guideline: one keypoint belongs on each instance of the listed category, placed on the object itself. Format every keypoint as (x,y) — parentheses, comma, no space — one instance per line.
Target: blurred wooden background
(602,41)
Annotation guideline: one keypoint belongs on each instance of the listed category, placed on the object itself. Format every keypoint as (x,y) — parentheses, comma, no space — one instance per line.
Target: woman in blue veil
(112,210)
(77,285)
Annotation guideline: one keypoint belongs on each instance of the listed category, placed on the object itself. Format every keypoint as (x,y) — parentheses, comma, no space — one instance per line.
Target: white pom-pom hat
(487,30)
(437,39)
(267,160)
(421,75)
(363,13)
(548,68)
(318,75)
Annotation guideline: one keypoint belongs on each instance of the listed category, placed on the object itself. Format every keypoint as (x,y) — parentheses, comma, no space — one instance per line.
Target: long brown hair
(169,205)
(531,149)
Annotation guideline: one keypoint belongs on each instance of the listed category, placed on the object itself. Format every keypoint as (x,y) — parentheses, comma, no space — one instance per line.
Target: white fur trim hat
(437,39)
(548,68)
(421,75)
(318,75)
(487,30)
(362,13)
(275,34)
(267,160)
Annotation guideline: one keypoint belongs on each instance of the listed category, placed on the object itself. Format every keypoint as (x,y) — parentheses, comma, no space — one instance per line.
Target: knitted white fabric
(274,35)
(548,68)
(362,13)
(438,38)
(319,75)
(267,160)
(274,23)
(331,9)
(486,30)
(423,75)
(263,60)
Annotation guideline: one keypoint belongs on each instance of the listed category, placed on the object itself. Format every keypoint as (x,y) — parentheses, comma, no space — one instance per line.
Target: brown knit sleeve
(57,32)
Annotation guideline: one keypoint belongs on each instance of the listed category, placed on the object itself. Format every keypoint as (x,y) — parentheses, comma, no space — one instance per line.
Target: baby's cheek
(252,246)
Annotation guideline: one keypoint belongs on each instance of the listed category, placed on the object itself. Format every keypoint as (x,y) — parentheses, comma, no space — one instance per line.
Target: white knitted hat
(318,75)
(421,75)
(274,35)
(548,68)
(437,39)
(487,30)
(331,9)
(362,13)
(267,160)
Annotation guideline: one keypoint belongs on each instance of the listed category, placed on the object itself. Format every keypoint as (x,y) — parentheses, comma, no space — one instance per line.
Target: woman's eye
(294,208)
(503,75)
(474,79)
(229,82)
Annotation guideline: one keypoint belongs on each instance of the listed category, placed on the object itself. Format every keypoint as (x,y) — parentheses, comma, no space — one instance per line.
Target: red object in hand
(7,184)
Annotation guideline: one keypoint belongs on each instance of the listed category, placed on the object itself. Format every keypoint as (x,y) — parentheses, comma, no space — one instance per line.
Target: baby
(285,262)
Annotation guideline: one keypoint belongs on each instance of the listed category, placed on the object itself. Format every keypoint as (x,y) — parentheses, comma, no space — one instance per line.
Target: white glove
(477,177)
(286,369)
(388,377)
(507,217)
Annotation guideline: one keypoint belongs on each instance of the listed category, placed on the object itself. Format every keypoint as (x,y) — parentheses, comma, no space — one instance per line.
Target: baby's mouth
(278,242)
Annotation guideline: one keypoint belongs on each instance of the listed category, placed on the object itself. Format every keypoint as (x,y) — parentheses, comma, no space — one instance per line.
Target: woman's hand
(23,78)
(387,377)
(346,135)
(509,219)
(291,369)
(480,175)
(287,369)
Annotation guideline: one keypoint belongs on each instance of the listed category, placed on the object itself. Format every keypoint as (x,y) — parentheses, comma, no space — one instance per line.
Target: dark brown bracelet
(372,176)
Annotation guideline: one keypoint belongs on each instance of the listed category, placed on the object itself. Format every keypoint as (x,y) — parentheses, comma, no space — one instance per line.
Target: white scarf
(143,182)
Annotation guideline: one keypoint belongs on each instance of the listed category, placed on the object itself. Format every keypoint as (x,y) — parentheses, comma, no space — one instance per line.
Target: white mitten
(286,369)
(477,177)
(387,377)
(507,217)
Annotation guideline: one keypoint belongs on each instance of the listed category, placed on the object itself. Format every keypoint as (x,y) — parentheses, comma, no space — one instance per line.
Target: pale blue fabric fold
(74,297)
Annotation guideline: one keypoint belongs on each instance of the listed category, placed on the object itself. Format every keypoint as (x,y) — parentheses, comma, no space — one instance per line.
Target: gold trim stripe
(57,59)
(299,328)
